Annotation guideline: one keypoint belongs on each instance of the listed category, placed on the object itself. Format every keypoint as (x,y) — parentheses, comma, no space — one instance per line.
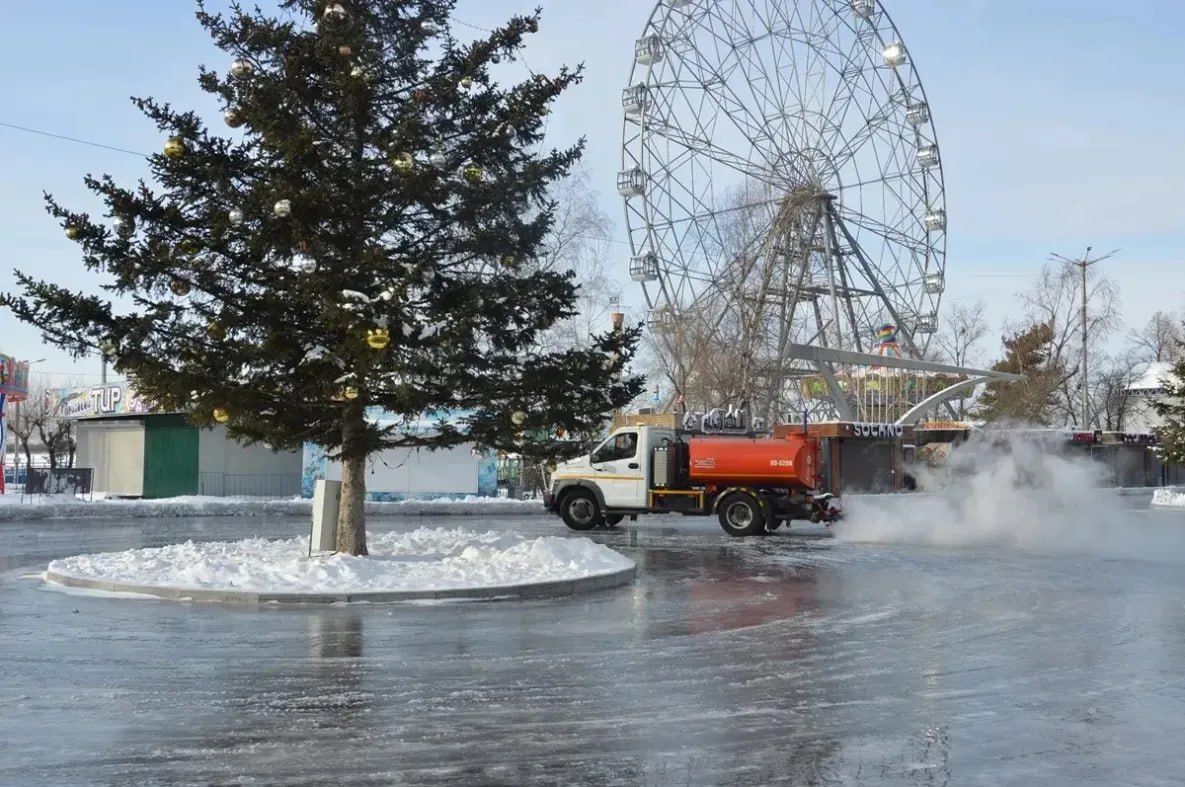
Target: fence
(263,485)
(58,480)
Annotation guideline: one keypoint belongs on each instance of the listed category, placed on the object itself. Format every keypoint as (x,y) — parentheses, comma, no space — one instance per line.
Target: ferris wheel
(783,186)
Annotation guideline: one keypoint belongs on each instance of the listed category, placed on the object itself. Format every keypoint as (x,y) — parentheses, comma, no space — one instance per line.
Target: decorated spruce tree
(361,238)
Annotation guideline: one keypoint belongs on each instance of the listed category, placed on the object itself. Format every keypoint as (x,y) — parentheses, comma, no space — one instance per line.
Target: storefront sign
(92,401)
(882,431)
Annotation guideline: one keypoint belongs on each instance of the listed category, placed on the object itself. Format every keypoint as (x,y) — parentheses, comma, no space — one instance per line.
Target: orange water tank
(790,462)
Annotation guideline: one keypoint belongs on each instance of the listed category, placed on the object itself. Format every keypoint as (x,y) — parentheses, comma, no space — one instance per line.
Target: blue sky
(1059,122)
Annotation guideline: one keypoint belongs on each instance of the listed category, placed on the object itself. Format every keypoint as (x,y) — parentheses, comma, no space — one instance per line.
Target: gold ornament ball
(221,415)
(179,287)
(345,50)
(518,417)
(233,117)
(403,163)
(174,148)
(73,232)
(350,392)
(466,83)
(378,338)
(508,260)
(283,208)
(215,330)
(473,173)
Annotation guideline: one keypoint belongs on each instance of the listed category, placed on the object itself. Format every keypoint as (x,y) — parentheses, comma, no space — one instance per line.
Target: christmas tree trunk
(351,519)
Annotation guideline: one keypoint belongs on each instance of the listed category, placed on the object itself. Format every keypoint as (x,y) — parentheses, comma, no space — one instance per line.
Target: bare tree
(1054,300)
(22,425)
(57,435)
(34,421)
(580,241)
(1110,394)
(1162,339)
(957,342)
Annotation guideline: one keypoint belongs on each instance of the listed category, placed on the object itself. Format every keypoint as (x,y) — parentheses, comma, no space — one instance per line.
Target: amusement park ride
(785,203)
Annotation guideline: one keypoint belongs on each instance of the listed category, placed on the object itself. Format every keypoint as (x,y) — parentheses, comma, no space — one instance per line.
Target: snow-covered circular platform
(425,564)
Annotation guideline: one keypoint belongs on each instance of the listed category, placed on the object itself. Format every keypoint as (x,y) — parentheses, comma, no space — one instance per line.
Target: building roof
(1153,377)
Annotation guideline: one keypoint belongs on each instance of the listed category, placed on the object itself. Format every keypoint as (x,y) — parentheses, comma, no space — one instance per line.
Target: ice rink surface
(892,657)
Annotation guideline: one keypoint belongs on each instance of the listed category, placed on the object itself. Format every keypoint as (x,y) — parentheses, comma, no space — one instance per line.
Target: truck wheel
(579,510)
(741,515)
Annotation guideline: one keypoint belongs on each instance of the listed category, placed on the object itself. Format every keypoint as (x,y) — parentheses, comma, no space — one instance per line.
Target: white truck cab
(616,473)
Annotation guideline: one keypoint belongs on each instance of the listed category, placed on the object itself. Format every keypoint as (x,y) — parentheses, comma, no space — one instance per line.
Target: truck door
(618,470)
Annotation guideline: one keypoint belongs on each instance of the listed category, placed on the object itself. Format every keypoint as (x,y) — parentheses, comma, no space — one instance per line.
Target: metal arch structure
(782,185)
(822,358)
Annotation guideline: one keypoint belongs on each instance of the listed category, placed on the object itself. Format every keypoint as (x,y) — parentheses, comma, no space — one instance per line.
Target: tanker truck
(753,485)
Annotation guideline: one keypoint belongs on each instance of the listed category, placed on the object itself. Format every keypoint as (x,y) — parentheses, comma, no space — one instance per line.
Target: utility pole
(1083,263)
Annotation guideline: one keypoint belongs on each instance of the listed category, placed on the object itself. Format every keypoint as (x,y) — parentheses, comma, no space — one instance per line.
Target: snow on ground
(16,507)
(424,559)
(1169,497)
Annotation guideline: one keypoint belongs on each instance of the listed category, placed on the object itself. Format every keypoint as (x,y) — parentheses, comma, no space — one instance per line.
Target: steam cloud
(1014,492)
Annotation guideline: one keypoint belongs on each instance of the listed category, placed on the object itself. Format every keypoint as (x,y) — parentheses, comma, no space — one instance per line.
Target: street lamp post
(1083,263)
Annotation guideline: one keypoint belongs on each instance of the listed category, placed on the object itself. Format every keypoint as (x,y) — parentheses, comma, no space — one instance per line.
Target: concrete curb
(551,589)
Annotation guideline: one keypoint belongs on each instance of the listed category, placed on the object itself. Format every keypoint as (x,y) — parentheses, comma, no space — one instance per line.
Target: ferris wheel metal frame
(759,94)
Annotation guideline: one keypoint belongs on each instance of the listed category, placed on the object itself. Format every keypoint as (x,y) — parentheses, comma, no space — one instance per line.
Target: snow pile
(423,559)
(1169,498)
(1019,494)
(13,507)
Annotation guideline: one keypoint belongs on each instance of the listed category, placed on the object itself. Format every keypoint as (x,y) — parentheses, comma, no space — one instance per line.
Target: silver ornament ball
(235,215)
(241,68)
(336,14)
(283,208)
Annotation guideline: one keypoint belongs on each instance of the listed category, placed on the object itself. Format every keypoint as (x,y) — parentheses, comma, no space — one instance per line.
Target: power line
(67,138)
